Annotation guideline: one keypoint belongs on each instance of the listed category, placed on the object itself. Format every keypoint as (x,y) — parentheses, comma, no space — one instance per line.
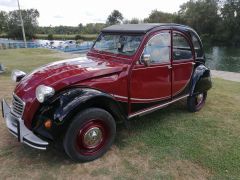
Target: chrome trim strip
(153,99)
(118,96)
(155,108)
(139,99)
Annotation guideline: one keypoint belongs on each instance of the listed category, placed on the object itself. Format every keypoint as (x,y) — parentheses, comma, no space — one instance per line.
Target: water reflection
(223,58)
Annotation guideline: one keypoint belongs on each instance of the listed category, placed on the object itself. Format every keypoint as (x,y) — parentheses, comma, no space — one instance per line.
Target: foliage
(50,37)
(132,21)
(230,28)
(3,21)
(29,17)
(87,37)
(159,17)
(91,28)
(115,17)
(201,15)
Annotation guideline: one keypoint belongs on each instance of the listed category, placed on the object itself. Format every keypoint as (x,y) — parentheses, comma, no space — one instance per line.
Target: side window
(158,47)
(181,48)
(197,47)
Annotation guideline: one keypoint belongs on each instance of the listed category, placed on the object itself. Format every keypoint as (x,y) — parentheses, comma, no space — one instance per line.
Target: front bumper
(18,129)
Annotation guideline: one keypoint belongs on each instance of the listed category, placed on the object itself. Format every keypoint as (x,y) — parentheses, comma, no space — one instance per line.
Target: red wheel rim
(92,137)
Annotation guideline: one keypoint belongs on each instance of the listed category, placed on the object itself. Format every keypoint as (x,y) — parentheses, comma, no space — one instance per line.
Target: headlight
(43,92)
(17,75)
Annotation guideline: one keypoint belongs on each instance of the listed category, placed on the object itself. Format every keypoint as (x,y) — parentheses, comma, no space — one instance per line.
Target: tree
(202,15)
(159,17)
(230,26)
(30,23)
(3,22)
(115,18)
(134,21)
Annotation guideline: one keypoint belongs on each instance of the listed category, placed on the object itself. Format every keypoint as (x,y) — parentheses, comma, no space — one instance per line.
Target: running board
(146,111)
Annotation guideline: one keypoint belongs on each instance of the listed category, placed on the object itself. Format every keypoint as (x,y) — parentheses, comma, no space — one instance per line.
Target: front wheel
(90,135)
(196,102)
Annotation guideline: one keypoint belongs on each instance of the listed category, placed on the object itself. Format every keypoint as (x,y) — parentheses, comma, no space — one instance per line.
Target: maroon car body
(124,85)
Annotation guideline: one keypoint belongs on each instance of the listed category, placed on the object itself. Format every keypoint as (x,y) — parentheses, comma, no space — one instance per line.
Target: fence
(16,45)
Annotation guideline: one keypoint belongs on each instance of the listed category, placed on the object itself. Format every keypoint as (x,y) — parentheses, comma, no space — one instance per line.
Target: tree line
(217,21)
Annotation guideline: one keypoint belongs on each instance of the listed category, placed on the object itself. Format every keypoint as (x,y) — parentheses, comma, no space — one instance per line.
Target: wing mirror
(146,59)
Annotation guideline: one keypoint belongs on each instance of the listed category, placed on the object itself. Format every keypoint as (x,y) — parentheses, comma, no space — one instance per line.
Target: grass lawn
(168,144)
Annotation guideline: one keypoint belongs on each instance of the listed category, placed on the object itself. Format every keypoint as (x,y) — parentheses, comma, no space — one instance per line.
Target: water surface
(223,58)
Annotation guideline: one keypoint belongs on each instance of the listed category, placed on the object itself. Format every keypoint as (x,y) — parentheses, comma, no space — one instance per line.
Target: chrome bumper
(18,129)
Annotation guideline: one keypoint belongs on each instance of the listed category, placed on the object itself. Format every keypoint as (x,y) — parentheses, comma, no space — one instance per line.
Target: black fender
(201,80)
(63,107)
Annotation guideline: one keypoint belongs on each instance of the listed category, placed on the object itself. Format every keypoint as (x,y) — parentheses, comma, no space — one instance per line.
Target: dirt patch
(186,170)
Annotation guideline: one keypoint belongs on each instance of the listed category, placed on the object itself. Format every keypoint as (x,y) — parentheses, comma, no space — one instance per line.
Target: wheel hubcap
(92,137)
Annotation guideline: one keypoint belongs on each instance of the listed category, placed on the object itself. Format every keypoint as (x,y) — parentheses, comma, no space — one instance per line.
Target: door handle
(193,63)
(169,67)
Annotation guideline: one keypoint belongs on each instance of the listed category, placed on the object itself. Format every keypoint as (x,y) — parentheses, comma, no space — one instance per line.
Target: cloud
(8,3)
(99,20)
(58,17)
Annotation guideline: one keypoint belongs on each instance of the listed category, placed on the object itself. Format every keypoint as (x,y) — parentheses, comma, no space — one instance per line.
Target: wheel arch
(67,104)
(201,80)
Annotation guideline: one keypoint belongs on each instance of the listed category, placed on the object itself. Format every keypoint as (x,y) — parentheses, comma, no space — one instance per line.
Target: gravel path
(231,76)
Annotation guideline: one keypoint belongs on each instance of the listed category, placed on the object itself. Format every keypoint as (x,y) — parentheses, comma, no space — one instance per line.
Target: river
(223,58)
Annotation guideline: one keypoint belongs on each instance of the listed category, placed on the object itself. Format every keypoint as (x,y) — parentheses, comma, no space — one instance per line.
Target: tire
(90,135)
(196,102)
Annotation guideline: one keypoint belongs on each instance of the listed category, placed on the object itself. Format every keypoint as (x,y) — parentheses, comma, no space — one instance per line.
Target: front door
(151,85)
(182,64)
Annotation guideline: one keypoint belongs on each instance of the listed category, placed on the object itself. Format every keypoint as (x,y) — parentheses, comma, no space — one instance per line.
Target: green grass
(28,59)
(168,144)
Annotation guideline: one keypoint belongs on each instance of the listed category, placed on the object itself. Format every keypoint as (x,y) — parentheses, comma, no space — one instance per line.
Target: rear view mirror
(146,59)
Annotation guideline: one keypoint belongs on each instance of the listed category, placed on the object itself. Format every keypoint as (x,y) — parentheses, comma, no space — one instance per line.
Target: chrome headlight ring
(43,92)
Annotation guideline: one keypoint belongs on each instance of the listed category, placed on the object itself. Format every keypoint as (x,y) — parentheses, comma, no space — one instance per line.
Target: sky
(74,12)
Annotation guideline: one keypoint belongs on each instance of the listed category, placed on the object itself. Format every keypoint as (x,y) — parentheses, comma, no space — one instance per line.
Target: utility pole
(23,31)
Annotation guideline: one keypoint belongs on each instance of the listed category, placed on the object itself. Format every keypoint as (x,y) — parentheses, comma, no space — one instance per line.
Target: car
(131,70)
(68,44)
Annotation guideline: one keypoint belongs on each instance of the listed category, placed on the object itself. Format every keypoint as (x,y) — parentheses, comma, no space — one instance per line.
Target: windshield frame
(119,33)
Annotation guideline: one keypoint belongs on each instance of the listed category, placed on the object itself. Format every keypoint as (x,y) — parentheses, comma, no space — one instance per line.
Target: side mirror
(146,59)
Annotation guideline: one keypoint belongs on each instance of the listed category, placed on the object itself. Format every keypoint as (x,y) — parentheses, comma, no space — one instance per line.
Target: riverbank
(231,76)
(84,37)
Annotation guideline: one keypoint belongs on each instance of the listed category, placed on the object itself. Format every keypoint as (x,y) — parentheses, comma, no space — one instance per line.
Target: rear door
(182,63)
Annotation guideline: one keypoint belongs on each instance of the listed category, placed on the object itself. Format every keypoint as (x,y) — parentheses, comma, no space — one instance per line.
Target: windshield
(118,43)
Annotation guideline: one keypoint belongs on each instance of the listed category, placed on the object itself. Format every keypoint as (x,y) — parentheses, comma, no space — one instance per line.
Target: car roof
(141,28)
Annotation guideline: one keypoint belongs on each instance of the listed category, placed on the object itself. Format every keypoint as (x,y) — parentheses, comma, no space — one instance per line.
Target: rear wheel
(90,135)
(196,102)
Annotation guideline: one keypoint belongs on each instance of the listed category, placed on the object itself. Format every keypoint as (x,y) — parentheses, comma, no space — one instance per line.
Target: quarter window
(158,47)
(181,48)
(197,47)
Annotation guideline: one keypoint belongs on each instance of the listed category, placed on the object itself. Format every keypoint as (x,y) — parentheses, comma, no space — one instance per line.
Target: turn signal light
(48,124)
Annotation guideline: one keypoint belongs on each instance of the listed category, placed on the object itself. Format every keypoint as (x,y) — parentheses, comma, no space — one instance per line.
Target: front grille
(17,106)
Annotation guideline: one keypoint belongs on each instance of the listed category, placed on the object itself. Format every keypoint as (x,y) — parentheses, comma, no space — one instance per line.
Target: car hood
(61,74)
